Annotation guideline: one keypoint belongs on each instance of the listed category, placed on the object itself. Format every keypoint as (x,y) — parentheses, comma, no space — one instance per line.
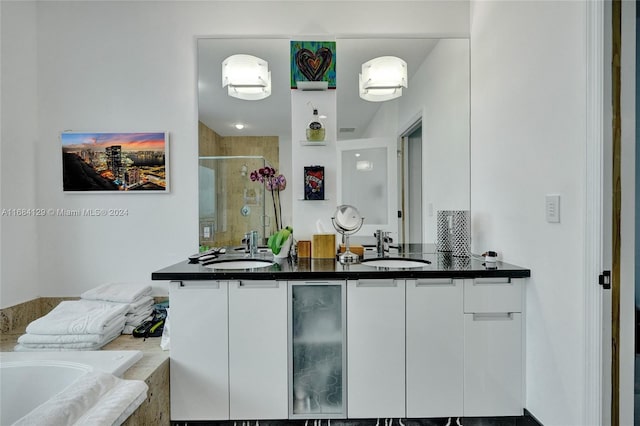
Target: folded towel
(142,304)
(117,405)
(118,292)
(78,317)
(95,398)
(131,318)
(65,345)
(57,339)
(59,348)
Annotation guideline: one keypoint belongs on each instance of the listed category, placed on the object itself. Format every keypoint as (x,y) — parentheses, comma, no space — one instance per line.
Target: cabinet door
(493,364)
(376,348)
(258,349)
(435,346)
(317,375)
(199,351)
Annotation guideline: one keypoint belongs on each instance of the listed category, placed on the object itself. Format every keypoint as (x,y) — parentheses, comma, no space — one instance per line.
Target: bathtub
(29,379)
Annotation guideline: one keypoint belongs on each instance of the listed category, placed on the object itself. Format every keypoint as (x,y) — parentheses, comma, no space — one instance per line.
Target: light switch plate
(552,208)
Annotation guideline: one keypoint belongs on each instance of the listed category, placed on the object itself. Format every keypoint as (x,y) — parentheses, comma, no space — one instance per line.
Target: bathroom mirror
(265,133)
(430,120)
(430,123)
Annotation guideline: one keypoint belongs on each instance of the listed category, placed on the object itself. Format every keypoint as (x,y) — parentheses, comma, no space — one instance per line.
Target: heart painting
(313,61)
(314,65)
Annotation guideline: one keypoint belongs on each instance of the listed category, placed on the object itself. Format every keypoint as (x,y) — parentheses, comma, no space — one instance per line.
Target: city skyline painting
(114,162)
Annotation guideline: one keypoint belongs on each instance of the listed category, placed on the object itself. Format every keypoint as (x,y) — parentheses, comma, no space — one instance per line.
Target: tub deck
(153,369)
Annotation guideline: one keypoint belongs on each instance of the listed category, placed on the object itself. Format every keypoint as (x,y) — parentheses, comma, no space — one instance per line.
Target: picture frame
(110,162)
(314,183)
(313,61)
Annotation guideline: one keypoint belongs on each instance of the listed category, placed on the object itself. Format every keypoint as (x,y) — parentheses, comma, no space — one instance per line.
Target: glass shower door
(230,203)
(317,357)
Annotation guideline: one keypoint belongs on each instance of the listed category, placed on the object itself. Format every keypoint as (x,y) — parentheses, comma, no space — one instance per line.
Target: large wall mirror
(429,122)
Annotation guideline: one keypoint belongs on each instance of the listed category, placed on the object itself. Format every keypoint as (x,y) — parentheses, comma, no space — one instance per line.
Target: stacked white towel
(136,296)
(75,325)
(118,292)
(94,399)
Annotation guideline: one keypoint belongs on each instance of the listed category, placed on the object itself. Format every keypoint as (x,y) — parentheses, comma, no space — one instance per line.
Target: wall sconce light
(383,78)
(246,77)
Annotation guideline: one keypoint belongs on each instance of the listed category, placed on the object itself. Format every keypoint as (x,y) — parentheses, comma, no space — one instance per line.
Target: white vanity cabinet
(361,348)
(257,349)
(376,348)
(493,347)
(199,370)
(434,347)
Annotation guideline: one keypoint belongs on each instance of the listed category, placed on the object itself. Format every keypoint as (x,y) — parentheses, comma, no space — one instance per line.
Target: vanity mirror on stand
(347,221)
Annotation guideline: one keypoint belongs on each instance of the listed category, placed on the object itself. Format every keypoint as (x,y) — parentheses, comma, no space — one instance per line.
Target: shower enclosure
(231,204)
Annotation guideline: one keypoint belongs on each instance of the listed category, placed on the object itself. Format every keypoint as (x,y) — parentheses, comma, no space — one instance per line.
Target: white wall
(18,173)
(123,66)
(528,103)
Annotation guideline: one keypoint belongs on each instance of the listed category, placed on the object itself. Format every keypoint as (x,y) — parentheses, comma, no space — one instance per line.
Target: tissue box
(323,246)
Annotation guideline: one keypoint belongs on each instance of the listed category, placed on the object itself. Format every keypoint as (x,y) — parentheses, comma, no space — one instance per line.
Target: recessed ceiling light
(357,154)
(239,126)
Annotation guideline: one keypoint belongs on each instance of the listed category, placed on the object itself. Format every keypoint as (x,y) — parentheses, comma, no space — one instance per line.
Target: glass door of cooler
(317,350)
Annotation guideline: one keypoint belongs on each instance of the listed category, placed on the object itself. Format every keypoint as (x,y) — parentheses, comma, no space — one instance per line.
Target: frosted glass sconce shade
(246,77)
(383,78)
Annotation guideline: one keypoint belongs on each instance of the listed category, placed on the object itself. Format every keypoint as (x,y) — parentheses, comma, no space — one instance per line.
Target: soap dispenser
(315,128)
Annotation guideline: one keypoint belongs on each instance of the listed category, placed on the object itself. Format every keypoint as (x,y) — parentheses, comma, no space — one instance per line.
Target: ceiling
(272,116)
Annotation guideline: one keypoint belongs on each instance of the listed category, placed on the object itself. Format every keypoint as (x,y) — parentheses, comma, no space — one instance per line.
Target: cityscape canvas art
(115,162)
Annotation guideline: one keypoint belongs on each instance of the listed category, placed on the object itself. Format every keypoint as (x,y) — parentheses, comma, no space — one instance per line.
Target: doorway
(411,214)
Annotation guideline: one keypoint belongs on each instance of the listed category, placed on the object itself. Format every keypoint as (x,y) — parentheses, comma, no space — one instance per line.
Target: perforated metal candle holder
(461,233)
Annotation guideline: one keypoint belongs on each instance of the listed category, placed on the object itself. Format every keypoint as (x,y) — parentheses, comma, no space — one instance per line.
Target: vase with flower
(280,240)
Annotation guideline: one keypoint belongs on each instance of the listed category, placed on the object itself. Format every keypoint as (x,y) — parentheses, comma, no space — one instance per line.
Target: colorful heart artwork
(313,61)
(314,65)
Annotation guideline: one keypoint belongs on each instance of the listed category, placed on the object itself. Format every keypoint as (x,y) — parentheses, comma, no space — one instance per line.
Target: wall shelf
(310,143)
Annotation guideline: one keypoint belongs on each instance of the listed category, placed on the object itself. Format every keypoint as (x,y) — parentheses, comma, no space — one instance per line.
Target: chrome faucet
(382,242)
(251,241)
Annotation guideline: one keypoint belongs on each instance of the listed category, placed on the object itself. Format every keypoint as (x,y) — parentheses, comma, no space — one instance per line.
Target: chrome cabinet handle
(377,283)
(215,285)
(435,282)
(488,281)
(258,284)
(493,316)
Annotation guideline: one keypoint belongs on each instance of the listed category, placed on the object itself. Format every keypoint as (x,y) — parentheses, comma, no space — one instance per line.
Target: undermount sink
(239,264)
(396,263)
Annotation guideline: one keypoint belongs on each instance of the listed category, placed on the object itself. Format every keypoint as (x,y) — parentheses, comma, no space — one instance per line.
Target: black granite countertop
(441,265)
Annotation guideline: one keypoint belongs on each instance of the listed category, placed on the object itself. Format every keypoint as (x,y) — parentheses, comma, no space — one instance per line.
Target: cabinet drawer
(492,295)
